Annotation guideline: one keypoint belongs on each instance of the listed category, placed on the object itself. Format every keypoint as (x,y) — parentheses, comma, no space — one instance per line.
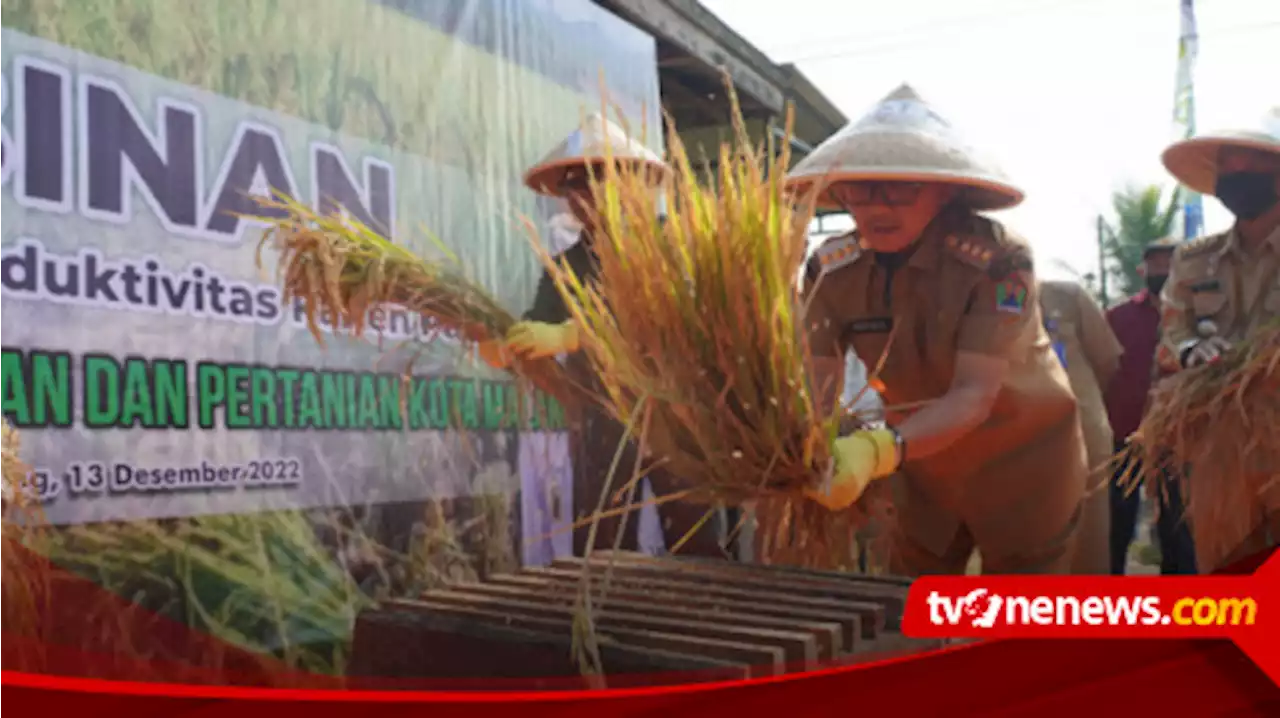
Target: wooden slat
(871,613)
(897,581)
(849,623)
(889,592)
(826,635)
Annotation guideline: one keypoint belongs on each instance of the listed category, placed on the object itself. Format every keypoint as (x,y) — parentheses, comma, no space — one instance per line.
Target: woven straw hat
(584,146)
(903,138)
(1194,162)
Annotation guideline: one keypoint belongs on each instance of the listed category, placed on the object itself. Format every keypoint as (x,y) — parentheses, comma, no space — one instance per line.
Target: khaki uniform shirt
(1090,351)
(968,286)
(1212,279)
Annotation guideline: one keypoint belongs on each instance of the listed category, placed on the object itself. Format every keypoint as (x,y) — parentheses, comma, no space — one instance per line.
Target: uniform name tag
(1208,285)
(871,325)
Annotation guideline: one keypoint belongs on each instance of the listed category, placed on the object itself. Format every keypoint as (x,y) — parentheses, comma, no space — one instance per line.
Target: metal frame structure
(696,50)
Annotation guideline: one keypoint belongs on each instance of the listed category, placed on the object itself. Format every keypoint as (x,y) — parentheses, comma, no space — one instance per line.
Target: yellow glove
(535,340)
(860,458)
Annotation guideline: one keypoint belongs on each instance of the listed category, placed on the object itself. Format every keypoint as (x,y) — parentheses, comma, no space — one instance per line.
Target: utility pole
(1102,262)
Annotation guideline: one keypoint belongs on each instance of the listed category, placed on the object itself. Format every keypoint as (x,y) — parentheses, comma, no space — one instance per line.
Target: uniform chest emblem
(1011,296)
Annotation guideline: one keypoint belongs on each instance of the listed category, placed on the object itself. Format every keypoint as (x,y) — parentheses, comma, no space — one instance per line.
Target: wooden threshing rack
(690,619)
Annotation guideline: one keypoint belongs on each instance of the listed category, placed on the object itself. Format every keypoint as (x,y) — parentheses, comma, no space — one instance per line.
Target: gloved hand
(860,458)
(1203,351)
(535,340)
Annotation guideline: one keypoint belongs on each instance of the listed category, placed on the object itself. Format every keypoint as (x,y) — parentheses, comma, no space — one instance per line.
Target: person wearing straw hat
(983,429)
(1222,287)
(1090,352)
(548,329)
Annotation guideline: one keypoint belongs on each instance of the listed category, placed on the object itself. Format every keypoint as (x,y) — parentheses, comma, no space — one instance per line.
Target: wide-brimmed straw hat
(1194,161)
(590,144)
(904,139)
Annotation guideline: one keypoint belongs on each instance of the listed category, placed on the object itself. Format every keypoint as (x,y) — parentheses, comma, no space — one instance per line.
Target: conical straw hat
(587,145)
(904,139)
(1194,162)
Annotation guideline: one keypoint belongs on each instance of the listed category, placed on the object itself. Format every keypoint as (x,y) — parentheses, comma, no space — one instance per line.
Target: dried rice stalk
(340,268)
(1213,428)
(700,314)
(25,582)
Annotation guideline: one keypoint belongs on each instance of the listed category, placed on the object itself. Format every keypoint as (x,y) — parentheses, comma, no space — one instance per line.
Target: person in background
(549,330)
(1136,322)
(1090,353)
(991,451)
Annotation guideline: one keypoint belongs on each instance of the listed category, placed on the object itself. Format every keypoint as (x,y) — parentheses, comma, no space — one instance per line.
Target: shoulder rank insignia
(837,253)
(971,251)
(1202,245)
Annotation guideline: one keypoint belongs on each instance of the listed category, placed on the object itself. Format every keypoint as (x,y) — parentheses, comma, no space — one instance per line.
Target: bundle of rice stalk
(1212,428)
(694,327)
(263,583)
(24,582)
(340,268)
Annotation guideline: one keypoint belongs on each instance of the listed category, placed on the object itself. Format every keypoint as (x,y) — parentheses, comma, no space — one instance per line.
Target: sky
(1074,98)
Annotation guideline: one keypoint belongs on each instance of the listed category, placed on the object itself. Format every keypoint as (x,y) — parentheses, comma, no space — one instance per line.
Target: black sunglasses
(893,194)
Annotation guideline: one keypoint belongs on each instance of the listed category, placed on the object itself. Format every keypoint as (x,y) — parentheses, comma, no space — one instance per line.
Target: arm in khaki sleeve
(989,338)
(1101,347)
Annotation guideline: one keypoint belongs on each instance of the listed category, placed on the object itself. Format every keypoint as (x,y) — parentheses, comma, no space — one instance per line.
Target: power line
(1015,9)
(1211,33)
(950,22)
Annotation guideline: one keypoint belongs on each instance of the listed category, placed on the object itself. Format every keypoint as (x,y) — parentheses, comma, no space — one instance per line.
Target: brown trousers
(596,442)
(1021,512)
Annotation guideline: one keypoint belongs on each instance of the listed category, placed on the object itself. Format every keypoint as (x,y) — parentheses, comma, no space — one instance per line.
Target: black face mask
(1155,284)
(1247,195)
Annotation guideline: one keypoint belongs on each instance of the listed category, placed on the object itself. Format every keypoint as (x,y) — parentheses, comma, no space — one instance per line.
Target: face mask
(1155,284)
(1247,195)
